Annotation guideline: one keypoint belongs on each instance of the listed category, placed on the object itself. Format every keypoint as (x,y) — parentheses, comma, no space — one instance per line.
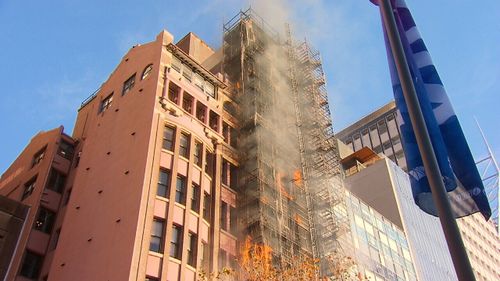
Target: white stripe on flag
(422,59)
(412,34)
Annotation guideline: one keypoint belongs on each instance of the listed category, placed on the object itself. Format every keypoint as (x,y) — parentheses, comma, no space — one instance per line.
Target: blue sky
(54,54)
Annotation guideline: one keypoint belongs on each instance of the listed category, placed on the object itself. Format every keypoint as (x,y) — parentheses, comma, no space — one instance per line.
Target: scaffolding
(289,180)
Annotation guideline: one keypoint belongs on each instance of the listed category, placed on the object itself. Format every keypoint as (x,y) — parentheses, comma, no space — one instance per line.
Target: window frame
(165,185)
(29,186)
(170,140)
(157,237)
(180,189)
(184,141)
(192,249)
(195,197)
(198,153)
(45,220)
(147,71)
(176,242)
(34,270)
(128,85)
(106,103)
(38,156)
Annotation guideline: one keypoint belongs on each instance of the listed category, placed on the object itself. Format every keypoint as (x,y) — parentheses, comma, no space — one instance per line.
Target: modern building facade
(379,131)
(180,154)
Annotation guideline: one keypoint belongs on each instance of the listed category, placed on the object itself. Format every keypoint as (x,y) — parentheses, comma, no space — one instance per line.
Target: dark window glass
(157,234)
(31,266)
(148,278)
(66,150)
(175,243)
(201,111)
(29,187)
(45,220)
(191,250)
(147,71)
(233,176)
(198,153)
(55,238)
(174,93)
(209,163)
(187,102)
(205,253)
(232,137)
(207,203)
(214,121)
(38,157)
(168,138)
(180,190)
(184,145)
(163,183)
(57,180)
(128,84)
(223,215)
(106,103)
(195,197)
(68,195)
(225,131)
(224,172)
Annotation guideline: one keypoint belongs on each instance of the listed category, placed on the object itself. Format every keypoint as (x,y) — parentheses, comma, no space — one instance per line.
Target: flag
(459,172)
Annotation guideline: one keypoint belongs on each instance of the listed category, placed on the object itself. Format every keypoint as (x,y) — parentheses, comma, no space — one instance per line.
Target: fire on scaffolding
(289,181)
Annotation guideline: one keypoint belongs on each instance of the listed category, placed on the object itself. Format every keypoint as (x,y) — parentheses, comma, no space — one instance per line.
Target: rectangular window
(175,243)
(198,153)
(66,198)
(224,172)
(209,163)
(187,73)
(106,103)
(180,190)
(191,250)
(222,258)
(184,145)
(214,121)
(223,215)
(168,138)
(28,188)
(187,102)
(128,85)
(45,220)
(225,131)
(176,64)
(195,197)
(210,89)
(233,176)
(232,137)
(56,181)
(163,189)
(199,81)
(38,157)
(31,266)
(207,205)
(201,111)
(174,92)
(55,238)
(205,253)
(157,235)
(66,150)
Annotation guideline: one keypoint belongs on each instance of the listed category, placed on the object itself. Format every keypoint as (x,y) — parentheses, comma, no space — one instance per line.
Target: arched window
(147,71)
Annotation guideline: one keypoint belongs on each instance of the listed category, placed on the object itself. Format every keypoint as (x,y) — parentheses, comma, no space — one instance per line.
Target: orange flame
(297,178)
(279,182)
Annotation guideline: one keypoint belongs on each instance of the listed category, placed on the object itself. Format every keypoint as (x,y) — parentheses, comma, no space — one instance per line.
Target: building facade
(180,154)
(379,131)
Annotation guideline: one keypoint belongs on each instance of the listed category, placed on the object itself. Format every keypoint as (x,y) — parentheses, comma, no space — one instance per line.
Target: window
(214,121)
(209,89)
(209,163)
(204,255)
(38,157)
(45,220)
(168,138)
(198,153)
(225,131)
(56,182)
(198,81)
(207,204)
(184,145)
(66,150)
(187,102)
(233,176)
(223,215)
(224,172)
(29,187)
(106,103)
(149,278)
(147,71)
(176,64)
(128,85)
(195,197)
(175,243)
(55,238)
(232,136)
(157,234)
(31,266)
(180,190)
(191,250)
(201,112)
(163,189)
(222,258)
(174,92)
(187,73)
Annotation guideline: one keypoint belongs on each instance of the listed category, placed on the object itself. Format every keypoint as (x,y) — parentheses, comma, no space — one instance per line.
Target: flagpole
(456,246)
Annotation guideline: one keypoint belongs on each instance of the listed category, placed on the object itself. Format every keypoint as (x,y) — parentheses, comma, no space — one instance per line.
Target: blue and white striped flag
(461,178)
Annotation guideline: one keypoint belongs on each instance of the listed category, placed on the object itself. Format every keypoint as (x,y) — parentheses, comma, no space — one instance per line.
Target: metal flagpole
(448,223)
